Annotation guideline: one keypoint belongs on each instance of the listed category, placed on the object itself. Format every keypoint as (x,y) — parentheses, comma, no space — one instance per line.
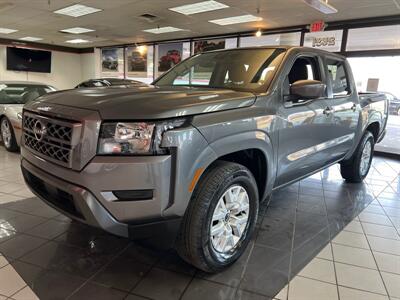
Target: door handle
(354,107)
(327,111)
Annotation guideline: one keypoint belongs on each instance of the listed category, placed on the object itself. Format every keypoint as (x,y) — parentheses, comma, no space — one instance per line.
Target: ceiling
(120,21)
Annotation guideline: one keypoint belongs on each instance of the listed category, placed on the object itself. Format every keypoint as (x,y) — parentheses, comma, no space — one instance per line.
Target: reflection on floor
(316,239)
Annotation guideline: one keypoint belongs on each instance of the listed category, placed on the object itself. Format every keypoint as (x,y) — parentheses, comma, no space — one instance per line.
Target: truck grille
(47,137)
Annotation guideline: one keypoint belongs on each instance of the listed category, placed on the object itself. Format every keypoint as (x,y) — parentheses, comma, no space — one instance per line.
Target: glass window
(112,62)
(304,68)
(326,40)
(338,77)
(21,93)
(139,63)
(374,38)
(239,69)
(290,39)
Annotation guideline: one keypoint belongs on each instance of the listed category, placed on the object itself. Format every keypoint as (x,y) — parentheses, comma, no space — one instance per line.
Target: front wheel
(8,136)
(356,169)
(221,217)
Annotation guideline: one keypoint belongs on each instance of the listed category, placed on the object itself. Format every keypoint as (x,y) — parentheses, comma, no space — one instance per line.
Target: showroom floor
(329,237)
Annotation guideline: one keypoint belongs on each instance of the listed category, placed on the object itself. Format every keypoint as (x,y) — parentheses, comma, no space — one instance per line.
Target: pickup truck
(202,147)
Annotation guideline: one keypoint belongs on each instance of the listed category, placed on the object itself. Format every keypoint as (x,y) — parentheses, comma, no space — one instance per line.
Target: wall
(67,69)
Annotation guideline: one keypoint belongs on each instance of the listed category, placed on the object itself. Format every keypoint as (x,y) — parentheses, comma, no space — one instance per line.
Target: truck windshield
(239,69)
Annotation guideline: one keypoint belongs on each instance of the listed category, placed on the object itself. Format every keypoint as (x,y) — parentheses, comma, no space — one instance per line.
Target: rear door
(343,101)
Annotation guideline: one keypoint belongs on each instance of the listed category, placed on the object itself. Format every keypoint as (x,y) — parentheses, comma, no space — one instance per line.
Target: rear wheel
(8,136)
(221,217)
(357,168)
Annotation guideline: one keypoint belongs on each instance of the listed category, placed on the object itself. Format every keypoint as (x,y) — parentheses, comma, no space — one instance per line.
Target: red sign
(317,26)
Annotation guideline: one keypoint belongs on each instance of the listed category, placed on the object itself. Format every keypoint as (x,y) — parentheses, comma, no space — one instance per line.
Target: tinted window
(338,76)
(20,93)
(304,68)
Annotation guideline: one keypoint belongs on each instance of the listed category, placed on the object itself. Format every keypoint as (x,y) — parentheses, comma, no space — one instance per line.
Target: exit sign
(317,26)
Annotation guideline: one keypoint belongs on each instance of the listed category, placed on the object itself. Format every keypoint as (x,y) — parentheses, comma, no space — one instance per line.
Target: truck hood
(150,102)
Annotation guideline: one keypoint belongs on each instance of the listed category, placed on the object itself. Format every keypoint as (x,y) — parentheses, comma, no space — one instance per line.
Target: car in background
(138,62)
(394,104)
(169,60)
(110,63)
(104,82)
(13,96)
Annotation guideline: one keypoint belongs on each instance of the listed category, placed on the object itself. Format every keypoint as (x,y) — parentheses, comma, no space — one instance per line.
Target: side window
(304,68)
(338,76)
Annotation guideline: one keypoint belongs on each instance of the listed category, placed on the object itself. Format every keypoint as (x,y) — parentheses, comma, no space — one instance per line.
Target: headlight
(140,138)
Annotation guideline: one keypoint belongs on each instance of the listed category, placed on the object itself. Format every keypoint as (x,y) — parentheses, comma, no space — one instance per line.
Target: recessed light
(77,41)
(162,30)
(77,30)
(199,7)
(77,10)
(30,39)
(322,6)
(7,30)
(236,20)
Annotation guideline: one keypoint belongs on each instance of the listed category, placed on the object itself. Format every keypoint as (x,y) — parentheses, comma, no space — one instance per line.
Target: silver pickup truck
(201,147)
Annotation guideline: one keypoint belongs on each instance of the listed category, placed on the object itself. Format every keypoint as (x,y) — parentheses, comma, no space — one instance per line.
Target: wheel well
(255,161)
(374,129)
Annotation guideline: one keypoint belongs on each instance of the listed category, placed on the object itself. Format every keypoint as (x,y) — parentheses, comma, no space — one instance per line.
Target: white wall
(67,69)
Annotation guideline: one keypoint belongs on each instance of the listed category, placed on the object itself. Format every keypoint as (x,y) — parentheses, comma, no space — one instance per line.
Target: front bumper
(87,195)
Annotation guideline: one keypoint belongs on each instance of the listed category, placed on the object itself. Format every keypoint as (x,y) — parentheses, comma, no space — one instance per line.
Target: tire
(195,243)
(357,168)
(7,135)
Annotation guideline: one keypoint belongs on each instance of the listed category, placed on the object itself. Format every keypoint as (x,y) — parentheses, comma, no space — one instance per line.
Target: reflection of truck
(110,62)
(169,60)
(138,61)
(201,157)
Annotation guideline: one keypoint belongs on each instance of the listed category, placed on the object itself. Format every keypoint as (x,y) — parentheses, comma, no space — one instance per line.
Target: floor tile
(381,231)
(359,278)
(354,226)
(354,256)
(320,269)
(392,282)
(304,288)
(374,218)
(384,245)
(3,261)
(49,229)
(388,262)
(352,294)
(351,239)
(25,294)
(98,292)
(326,253)
(20,245)
(170,285)
(200,289)
(10,281)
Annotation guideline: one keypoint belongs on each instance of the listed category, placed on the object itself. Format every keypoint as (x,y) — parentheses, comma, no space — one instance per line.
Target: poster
(169,55)
(208,45)
(109,60)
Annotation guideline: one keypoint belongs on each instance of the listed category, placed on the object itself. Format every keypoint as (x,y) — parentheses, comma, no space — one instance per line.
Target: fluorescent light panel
(30,39)
(77,30)
(191,9)
(77,10)
(7,30)
(322,6)
(78,41)
(236,20)
(162,30)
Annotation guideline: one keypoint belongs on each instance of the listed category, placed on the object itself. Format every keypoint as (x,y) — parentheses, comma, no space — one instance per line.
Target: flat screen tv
(21,59)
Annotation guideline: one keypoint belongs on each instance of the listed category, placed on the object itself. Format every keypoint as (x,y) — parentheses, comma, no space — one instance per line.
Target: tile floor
(317,239)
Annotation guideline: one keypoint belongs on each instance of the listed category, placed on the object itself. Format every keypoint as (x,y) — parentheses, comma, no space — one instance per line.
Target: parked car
(394,104)
(13,96)
(169,60)
(200,157)
(104,82)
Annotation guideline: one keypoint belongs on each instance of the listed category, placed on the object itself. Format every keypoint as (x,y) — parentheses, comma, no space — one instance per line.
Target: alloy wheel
(365,158)
(6,133)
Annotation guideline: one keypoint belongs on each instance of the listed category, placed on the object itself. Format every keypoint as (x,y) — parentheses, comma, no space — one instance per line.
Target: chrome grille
(55,144)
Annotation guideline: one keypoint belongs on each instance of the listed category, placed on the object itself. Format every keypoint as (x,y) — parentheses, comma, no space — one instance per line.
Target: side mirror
(308,89)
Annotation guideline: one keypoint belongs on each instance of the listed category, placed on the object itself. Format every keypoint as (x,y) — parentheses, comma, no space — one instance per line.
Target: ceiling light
(236,20)
(77,30)
(77,41)
(77,10)
(258,33)
(30,39)
(7,30)
(322,6)
(162,30)
(191,9)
